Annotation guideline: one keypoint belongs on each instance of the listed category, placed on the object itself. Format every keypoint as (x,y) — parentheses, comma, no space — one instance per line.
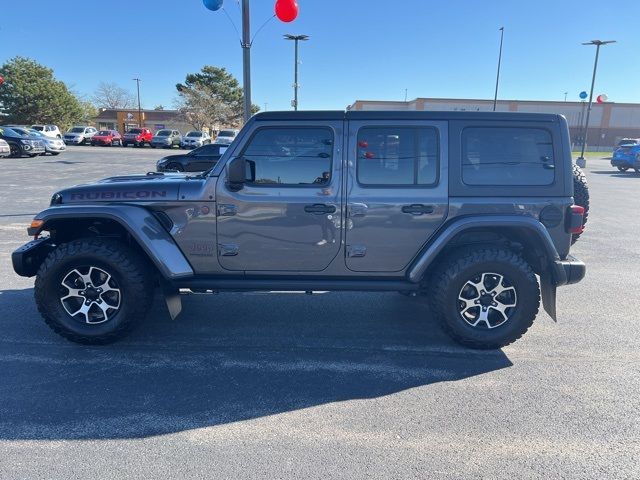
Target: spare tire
(580,196)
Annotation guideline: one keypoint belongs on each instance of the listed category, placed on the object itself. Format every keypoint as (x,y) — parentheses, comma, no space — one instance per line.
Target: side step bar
(248,284)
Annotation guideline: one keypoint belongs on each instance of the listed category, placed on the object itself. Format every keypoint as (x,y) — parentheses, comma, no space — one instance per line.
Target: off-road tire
(463,265)
(580,197)
(127,268)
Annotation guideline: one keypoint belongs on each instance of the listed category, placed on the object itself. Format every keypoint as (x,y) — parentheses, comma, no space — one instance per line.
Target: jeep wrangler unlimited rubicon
(467,208)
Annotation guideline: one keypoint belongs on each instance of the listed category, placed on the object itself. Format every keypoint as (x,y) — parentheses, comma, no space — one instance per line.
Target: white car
(195,139)
(225,137)
(5,150)
(48,130)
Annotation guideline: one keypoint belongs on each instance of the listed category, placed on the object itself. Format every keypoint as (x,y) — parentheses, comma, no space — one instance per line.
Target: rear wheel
(485,298)
(580,196)
(14,150)
(93,291)
(623,169)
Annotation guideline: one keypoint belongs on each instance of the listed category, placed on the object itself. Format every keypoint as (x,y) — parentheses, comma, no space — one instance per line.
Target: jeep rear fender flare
(141,224)
(443,238)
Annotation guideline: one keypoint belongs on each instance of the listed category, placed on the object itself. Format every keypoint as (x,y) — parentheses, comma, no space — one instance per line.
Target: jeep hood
(131,188)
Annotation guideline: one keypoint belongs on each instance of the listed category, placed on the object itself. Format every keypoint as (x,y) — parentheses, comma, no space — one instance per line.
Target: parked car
(627,155)
(226,136)
(137,137)
(107,138)
(49,130)
(166,138)
(21,144)
(54,146)
(5,150)
(197,160)
(316,201)
(195,139)
(80,135)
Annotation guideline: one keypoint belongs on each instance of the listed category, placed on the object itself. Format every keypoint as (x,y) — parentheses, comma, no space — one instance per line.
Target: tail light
(574,219)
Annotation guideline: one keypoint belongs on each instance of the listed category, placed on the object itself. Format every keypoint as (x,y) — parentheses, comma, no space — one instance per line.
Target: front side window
(292,156)
(507,156)
(397,156)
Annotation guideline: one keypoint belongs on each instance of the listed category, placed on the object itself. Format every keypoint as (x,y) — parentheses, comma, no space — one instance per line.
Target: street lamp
(495,98)
(296,39)
(137,80)
(581,162)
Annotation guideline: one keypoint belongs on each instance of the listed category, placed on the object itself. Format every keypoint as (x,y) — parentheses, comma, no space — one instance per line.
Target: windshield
(104,132)
(77,130)
(628,141)
(35,132)
(38,127)
(21,131)
(194,134)
(227,133)
(135,130)
(163,133)
(8,131)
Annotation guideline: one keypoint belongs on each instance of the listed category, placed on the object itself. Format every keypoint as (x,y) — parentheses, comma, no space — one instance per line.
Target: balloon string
(233,24)
(263,25)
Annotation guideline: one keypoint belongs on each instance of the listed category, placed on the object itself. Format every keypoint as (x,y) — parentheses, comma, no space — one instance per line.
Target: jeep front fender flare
(156,242)
(532,226)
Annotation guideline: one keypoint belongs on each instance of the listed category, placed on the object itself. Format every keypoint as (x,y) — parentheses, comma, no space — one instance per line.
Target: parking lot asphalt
(335,385)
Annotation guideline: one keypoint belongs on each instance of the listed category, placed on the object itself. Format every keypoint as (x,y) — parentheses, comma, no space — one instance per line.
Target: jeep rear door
(286,216)
(397,191)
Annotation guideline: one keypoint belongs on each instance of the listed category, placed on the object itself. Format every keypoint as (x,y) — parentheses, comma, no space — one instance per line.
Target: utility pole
(581,162)
(246,59)
(565,96)
(495,98)
(296,39)
(137,80)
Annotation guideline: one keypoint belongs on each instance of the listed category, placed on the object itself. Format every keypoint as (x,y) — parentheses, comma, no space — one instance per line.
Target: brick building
(609,121)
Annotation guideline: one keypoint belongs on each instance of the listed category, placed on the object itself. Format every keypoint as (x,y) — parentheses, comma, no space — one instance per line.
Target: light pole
(495,98)
(246,59)
(581,162)
(296,39)
(137,80)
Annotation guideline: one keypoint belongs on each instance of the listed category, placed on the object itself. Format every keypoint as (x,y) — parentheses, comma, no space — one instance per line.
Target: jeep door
(397,191)
(286,216)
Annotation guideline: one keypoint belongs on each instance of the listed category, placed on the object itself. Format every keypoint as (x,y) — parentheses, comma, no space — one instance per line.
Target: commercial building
(123,120)
(609,121)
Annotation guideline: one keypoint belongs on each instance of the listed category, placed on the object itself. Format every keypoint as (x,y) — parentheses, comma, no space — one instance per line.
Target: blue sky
(359,49)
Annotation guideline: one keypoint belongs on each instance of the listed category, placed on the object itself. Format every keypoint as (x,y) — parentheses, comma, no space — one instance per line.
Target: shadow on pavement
(616,173)
(230,357)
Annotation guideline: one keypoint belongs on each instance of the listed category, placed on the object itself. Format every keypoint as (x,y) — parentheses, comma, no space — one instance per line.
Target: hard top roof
(401,115)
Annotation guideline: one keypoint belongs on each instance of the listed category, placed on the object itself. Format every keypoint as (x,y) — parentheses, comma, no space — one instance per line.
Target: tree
(159,107)
(202,110)
(215,92)
(31,94)
(111,95)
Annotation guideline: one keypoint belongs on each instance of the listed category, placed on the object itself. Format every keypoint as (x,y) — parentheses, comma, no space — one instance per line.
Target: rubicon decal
(130,195)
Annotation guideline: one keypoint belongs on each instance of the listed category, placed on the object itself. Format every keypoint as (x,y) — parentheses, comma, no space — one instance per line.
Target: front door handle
(417,209)
(320,208)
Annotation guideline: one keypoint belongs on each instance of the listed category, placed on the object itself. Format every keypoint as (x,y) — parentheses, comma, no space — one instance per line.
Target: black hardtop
(364,115)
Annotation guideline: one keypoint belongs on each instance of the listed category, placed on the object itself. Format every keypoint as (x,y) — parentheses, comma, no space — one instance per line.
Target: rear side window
(397,156)
(507,156)
(290,156)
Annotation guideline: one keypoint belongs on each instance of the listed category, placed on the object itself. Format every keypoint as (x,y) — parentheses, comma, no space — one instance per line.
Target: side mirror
(236,174)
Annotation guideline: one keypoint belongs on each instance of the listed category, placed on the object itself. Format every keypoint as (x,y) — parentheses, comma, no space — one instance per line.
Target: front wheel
(485,298)
(623,169)
(93,291)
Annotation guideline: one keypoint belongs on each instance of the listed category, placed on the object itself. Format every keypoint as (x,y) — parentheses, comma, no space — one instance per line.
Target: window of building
(507,156)
(397,156)
(290,156)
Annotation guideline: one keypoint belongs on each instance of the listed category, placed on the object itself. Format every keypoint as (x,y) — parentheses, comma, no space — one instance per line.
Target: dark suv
(22,144)
(468,209)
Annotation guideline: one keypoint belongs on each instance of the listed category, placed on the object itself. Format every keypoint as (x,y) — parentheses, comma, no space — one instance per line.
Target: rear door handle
(320,208)
(417,209)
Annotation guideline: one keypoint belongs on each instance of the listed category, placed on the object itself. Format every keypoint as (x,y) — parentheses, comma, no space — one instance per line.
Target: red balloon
(286,10)
(1,80)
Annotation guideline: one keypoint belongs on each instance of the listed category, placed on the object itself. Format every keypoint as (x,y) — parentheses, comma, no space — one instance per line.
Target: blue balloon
(584,95)
(213,5)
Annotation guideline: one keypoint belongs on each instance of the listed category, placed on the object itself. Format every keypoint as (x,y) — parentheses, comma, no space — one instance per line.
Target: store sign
(159,126)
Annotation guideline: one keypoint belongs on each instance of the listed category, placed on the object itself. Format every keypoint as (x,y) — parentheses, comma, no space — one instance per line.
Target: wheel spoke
(84,309)
(483,317)
(105,308)
(72,293)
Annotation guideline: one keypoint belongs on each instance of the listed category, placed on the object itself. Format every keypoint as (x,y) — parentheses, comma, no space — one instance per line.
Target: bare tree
(201,109)
(111,95)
